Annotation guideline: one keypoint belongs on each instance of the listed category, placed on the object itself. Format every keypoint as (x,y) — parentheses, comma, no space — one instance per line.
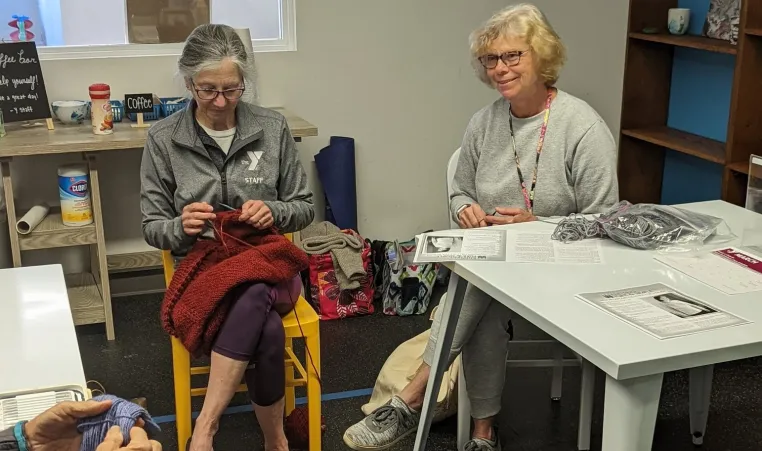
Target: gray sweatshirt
(577,168)
(181,165)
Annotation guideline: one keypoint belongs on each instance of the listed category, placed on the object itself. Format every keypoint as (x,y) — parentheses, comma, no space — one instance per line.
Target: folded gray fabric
(345,249)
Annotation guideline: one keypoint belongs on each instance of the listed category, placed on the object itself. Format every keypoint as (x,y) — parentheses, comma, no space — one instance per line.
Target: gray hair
(208,45)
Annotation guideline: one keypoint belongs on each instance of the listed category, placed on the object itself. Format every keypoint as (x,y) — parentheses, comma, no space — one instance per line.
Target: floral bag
(406,286)
(328,299)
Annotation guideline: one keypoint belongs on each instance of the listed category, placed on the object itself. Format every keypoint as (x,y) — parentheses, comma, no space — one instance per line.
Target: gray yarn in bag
(640,226)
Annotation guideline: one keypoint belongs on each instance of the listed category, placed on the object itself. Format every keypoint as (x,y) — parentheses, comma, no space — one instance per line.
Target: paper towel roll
(245,35)
(32,219)
(250,95)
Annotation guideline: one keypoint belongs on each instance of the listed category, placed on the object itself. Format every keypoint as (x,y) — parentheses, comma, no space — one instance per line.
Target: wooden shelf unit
(85,297)
(741,167)
(694,42)
(688,143)
(89,293)
(129,254)
(52,233)
(645,136)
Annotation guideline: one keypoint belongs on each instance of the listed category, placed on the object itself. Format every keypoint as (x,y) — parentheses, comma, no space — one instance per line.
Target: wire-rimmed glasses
(211,94)
(513,58)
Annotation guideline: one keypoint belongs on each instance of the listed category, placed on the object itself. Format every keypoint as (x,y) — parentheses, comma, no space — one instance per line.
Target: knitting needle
(226,207)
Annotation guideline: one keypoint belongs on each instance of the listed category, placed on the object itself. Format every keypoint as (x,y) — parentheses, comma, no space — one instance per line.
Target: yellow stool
(308,375)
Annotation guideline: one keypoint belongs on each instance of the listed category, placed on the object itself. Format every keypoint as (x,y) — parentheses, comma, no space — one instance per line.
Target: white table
(38,343)
(634,361)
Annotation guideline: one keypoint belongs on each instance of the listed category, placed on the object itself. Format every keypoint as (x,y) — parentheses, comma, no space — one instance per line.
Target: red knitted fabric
(197,302)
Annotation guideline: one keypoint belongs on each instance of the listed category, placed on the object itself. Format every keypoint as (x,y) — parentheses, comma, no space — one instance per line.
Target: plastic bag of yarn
(647,227)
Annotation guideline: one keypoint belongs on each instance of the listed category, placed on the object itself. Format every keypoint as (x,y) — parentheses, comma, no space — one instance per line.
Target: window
(74,29)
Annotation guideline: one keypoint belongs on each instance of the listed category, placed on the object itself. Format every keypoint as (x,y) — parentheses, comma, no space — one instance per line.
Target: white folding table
(40,357)
(634,361)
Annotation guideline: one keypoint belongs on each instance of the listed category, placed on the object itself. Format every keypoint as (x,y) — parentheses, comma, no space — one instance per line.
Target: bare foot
(283,446)
(201,440)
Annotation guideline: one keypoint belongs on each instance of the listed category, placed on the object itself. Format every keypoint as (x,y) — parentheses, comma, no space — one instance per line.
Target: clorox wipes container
(74,191)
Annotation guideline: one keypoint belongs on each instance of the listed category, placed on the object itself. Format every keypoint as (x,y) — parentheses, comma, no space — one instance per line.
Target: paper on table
(525,247)
(483,244)
(730,270)
(661,310)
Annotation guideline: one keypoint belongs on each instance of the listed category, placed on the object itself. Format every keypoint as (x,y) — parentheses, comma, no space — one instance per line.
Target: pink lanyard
(529,195)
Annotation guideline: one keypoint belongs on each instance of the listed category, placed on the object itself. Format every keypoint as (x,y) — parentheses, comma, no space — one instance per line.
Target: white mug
(678,20)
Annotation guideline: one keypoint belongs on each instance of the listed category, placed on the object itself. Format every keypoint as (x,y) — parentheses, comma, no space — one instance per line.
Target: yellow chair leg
(182,380)
(313,392)
(290,389)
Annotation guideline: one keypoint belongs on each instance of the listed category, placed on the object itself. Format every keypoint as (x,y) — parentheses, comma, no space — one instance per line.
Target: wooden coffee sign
(138,103)
(22,89)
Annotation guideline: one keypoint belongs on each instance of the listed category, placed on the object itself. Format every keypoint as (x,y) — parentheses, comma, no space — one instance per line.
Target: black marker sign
(138,103)
(22,89)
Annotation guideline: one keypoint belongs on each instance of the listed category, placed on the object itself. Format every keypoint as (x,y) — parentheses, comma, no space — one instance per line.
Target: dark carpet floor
(138,363)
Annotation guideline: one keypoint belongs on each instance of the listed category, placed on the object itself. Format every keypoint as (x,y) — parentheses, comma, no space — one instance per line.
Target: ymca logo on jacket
(254,157)
(183,164)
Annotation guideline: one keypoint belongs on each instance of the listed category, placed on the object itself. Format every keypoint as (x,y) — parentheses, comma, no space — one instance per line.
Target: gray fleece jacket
(577,169)
(182,164)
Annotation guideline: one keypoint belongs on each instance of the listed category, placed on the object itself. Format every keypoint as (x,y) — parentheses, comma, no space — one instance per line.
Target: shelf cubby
(646,138)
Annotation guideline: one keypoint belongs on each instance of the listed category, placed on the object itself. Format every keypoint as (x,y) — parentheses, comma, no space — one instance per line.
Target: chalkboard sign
(22,89)
(138,103)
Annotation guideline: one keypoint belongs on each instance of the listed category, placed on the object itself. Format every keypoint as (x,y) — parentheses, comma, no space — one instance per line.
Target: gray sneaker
(384,427)
(480,444)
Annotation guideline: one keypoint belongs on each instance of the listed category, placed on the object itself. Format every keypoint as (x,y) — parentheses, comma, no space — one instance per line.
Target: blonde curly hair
(523,21)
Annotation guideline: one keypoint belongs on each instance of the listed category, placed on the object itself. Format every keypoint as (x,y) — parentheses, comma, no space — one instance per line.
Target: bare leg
(381,430)
(483,428)
(225,376)
(413,392)
(270,419)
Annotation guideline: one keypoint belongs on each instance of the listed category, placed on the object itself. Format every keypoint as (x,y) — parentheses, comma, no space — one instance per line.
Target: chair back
(169,266)
(452,165)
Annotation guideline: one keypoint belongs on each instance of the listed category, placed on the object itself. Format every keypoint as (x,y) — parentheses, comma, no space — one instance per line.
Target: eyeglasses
(211,94)
(508,58)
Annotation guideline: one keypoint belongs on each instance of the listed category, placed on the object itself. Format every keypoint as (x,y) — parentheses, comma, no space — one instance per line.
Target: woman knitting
(222,151)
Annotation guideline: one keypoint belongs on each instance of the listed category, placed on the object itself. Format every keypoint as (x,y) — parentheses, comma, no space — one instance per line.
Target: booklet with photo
(483,244)
(661,310)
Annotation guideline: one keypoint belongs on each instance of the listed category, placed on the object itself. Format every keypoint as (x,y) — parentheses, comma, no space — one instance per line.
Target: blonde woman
(535,151)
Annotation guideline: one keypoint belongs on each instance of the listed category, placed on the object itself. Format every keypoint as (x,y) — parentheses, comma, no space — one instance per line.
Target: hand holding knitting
(195,216)
(257,214)
(138,441)
(509,216)
(56,428)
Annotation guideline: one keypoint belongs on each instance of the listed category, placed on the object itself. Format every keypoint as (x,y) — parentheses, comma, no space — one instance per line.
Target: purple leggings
(253,332)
